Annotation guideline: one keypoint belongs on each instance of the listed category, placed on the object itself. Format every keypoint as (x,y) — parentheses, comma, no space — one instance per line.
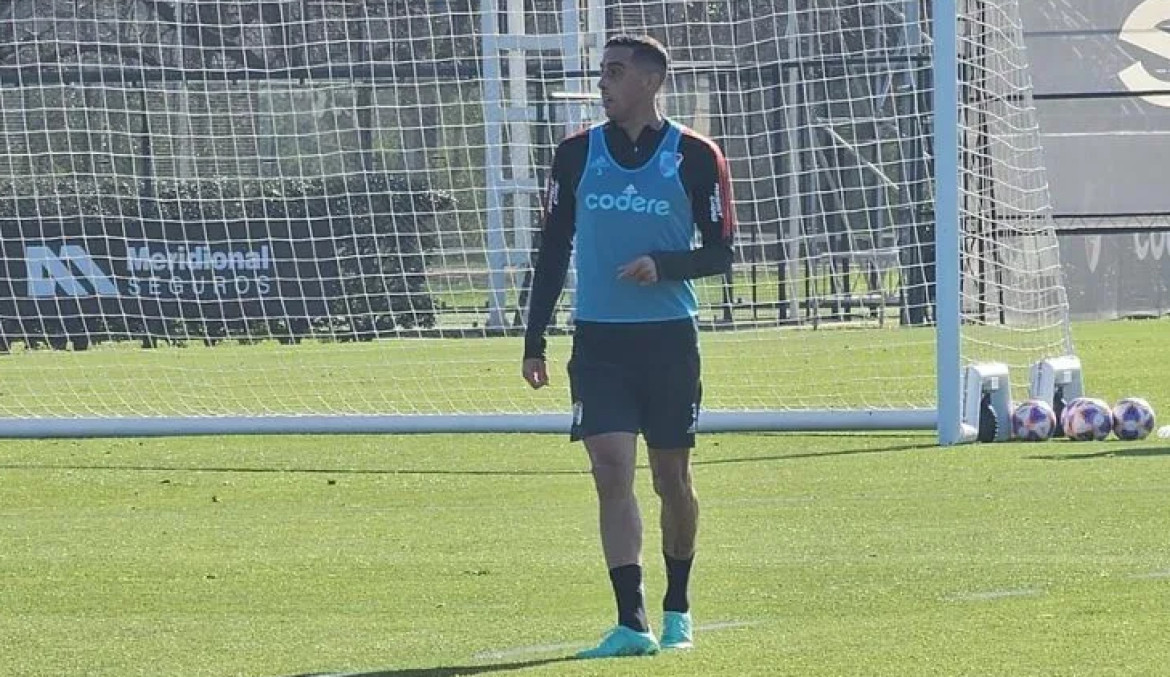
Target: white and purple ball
(1133,419)
(1068,409)
(1089,420)
(1033,421)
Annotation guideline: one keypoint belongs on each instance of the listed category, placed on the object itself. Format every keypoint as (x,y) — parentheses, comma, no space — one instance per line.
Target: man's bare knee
(612,459)
(672,476)
(673,486)
(613,481)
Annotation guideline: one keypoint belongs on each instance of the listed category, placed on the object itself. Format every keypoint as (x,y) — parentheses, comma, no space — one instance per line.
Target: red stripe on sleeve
(725,193)
(723,174)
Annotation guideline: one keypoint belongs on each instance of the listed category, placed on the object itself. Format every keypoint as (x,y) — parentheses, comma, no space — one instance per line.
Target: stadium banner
(65,270)
(1105,145)
(1116,275)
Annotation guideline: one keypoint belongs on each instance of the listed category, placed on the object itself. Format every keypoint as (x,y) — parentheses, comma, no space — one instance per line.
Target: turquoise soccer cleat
(622,641)
(677,630)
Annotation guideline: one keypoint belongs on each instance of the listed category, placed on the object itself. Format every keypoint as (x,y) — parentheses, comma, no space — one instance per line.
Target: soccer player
(630,195)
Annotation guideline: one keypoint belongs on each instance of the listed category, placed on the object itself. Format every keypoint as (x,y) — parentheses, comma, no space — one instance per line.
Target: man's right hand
(535,372)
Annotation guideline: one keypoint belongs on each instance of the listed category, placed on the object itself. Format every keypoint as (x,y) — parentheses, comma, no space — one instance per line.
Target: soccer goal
(302,217)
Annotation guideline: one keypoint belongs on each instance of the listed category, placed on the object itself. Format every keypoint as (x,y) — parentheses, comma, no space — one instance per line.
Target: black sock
(678,575)
(627,588)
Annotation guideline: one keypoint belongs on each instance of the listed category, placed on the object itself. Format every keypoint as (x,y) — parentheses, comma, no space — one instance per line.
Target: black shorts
(637,378)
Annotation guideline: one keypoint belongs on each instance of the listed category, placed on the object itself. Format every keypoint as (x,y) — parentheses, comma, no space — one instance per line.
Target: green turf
(763,368)
(442,555)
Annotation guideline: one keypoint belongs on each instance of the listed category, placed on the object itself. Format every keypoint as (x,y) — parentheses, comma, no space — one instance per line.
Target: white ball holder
(987,381)
(1057,374)
(1057,381)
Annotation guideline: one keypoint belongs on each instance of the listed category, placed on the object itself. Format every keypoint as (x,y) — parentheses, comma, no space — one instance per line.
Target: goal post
(948,235)
(321,218)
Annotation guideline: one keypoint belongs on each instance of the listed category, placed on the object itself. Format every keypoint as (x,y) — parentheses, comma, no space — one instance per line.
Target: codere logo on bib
(628,201)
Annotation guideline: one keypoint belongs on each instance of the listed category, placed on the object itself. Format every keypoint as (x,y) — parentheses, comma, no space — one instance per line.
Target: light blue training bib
(626,213)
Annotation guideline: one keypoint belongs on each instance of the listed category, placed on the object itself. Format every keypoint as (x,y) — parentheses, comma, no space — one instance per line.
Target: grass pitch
(443,555)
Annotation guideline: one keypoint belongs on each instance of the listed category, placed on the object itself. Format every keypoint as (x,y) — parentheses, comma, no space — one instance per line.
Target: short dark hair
(646,50)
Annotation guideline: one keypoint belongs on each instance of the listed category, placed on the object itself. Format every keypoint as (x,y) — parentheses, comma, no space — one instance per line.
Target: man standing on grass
(630,195)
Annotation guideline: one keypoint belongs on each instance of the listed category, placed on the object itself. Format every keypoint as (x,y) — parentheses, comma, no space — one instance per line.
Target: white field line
(983,596)
(990,595)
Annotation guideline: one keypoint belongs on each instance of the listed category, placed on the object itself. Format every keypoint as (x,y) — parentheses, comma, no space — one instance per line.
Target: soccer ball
(1088,419)
(1133,419)
(1067,411)
(1033,421)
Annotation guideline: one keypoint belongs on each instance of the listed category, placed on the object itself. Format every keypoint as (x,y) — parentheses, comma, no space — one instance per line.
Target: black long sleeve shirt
(705,177)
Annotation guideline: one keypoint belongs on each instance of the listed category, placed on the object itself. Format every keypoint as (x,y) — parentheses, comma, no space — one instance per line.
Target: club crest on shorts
(694,419)
(668,163)
(578,412)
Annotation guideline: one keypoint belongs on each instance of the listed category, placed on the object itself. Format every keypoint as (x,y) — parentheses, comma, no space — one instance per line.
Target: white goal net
(308,209)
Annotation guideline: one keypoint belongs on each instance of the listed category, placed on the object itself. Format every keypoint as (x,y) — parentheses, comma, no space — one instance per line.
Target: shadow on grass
(407,471)
(291,471)
(699,461)
(443,671)
(1107,453)
(815,454)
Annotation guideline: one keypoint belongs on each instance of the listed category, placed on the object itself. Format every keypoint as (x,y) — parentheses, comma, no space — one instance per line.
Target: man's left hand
(642,270)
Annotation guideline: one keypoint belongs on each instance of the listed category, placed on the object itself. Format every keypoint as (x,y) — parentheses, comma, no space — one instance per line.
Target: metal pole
(494,121)
(947,259)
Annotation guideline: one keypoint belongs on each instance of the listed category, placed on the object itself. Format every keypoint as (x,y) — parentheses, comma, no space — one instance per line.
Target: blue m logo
(49,270)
